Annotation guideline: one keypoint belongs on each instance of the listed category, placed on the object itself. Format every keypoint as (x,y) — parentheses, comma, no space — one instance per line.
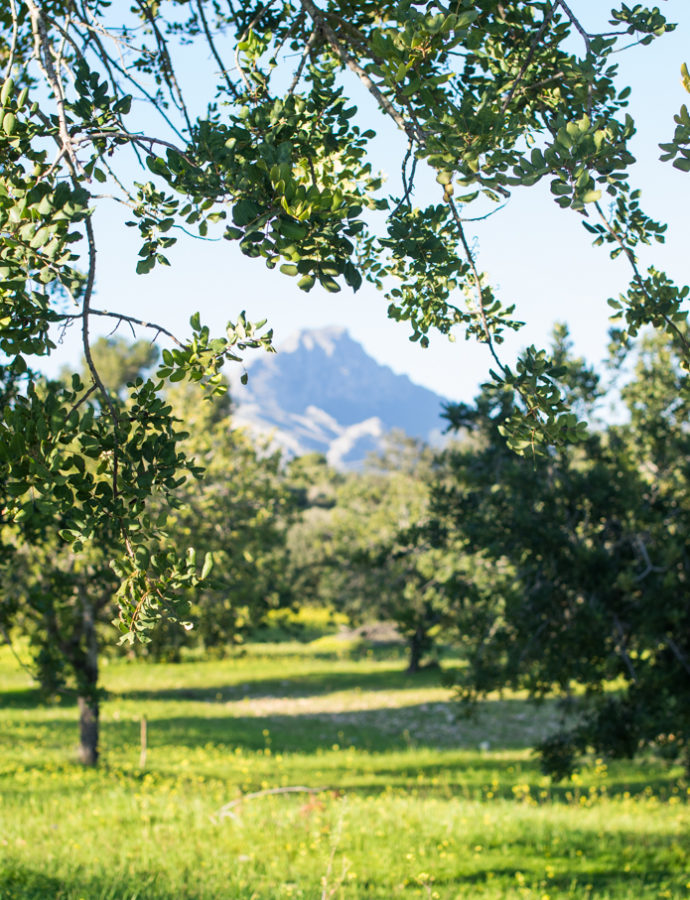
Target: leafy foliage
(589,561)
(361,548)
(486,96)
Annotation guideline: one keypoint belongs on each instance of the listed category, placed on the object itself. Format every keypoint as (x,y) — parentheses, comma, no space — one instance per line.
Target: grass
(406,801)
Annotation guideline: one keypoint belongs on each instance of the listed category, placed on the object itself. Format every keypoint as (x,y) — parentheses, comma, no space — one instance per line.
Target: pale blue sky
(538,255)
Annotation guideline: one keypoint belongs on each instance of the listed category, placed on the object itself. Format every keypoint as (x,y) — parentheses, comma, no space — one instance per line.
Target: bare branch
(42,53)
(13,44)
(305,56)
(85,396)
(214,51)
(132,138)
(86,302)
(576,23)
(488,337)
(159,329)
(166,64)
(649,568)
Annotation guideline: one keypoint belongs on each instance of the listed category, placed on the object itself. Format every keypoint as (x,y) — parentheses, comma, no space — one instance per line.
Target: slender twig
(86,303)
(166,63)
(245,34)
(45,63)
(8,640)
(649,568)
(97,28)
(638,277)
(576,22)
(212,46)
(132,138)
(486,215)
(328,893)
(13,44)
(478,284)
(621,649)
(352,64)
(85,396)
(147,94)
(529,57)
(408,183)
(130,319)
(303,60)
(678,655)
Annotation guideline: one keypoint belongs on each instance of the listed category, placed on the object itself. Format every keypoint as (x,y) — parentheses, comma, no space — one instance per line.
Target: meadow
(322,771)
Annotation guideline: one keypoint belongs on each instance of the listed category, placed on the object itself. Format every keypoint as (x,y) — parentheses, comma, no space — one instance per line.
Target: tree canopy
(587,551)
(486,96)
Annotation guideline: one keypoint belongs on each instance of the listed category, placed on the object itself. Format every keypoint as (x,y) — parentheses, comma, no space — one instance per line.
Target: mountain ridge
(322,392)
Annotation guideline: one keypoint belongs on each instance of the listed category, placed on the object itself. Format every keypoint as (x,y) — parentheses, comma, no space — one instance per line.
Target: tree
(488,95)
(366,553)
(589,548)
(237,513)
(60,591)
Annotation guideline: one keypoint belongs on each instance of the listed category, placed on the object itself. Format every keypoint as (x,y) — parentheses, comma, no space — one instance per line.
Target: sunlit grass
(404,800)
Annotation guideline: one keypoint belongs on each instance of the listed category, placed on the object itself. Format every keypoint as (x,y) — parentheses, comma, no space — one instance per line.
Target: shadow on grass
(304,685)
(589,882)
(375,732)
(23,883)
(24,698)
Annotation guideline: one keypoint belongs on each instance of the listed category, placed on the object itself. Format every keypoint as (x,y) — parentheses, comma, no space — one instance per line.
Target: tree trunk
(87,677)
(88,731)
(416,646)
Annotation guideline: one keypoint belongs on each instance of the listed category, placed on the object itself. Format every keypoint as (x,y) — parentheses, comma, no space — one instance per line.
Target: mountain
(322,392)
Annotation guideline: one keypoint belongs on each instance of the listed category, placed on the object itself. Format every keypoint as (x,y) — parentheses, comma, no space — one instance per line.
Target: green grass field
(404,802)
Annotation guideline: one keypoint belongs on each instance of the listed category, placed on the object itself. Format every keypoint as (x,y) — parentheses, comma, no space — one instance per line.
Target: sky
(537,255)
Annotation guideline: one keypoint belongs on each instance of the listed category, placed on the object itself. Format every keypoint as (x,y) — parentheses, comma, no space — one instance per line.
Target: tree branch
(216,55)
(347,59)
(576,22)
(529,57)
(13,44)
(159,329)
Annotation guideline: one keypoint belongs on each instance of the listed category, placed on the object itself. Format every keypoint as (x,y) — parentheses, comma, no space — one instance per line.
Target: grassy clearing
(410,803)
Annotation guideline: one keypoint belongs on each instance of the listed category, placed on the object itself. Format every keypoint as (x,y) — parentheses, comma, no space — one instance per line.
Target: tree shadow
(32,698)
(303,685)
(587,881)
(373,733)
(20,882)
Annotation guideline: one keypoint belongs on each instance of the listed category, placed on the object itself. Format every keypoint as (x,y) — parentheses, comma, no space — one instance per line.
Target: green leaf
(208,565)
(306,282)
(591,196)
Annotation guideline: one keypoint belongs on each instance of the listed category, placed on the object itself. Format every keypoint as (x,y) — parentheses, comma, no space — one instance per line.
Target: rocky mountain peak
(322,392)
